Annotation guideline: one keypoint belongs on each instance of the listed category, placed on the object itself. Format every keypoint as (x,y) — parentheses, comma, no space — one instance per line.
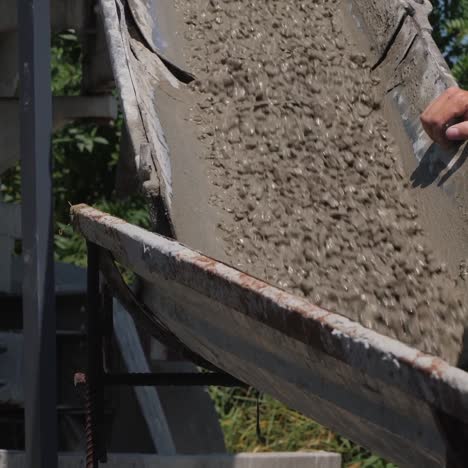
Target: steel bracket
(98,375)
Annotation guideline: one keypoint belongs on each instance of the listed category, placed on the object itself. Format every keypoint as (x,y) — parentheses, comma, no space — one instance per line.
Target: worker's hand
(446,118)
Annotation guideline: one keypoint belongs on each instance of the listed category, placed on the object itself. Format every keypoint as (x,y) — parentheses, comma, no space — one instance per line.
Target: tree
(449,19)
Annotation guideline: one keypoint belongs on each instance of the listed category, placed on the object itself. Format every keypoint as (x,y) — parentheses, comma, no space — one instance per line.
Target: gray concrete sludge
(305,168)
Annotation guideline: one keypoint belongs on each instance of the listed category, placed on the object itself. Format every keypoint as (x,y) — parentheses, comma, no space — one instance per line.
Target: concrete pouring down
(309,188)
(283,160)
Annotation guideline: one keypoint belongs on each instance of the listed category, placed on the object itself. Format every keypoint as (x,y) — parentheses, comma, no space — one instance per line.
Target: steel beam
(38,277)
(171,379)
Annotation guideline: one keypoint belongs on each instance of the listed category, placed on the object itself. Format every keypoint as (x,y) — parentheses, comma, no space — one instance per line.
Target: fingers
(432,118)
(457,132)
(443,112)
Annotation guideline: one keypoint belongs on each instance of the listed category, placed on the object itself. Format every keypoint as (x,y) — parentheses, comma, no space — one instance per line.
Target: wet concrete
(306,172)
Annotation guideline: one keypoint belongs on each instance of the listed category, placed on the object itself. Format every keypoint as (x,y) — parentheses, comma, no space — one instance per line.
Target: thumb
(457,132)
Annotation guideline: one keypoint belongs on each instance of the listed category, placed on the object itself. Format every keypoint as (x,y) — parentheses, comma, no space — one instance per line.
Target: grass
(281,429)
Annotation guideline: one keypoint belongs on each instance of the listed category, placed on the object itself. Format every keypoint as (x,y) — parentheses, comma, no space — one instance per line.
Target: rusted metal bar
(81,385)
(94,374)
(173,380)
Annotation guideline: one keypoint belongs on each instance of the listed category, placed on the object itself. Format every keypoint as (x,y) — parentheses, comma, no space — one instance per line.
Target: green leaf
(101,140)
(69,37)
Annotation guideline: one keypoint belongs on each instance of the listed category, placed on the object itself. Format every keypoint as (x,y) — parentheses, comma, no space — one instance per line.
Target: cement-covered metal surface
(368,387)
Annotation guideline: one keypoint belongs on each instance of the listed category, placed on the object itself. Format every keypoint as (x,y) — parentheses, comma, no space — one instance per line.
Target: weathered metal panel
(377,391)
(138,70)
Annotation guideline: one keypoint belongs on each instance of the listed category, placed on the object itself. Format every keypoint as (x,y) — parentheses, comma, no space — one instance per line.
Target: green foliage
(82,139)
(460,70)
(450,22)
(66,64)
(85,160)
(458,27)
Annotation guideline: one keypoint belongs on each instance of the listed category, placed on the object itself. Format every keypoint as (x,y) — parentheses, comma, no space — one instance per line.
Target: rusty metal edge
(425,377)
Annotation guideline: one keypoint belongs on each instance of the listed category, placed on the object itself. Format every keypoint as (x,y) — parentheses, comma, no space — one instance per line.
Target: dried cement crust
(307,172)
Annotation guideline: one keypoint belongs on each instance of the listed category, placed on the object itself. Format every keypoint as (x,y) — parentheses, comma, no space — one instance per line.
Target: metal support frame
(38,279)
(171,379)
(99,335)
(95,369)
